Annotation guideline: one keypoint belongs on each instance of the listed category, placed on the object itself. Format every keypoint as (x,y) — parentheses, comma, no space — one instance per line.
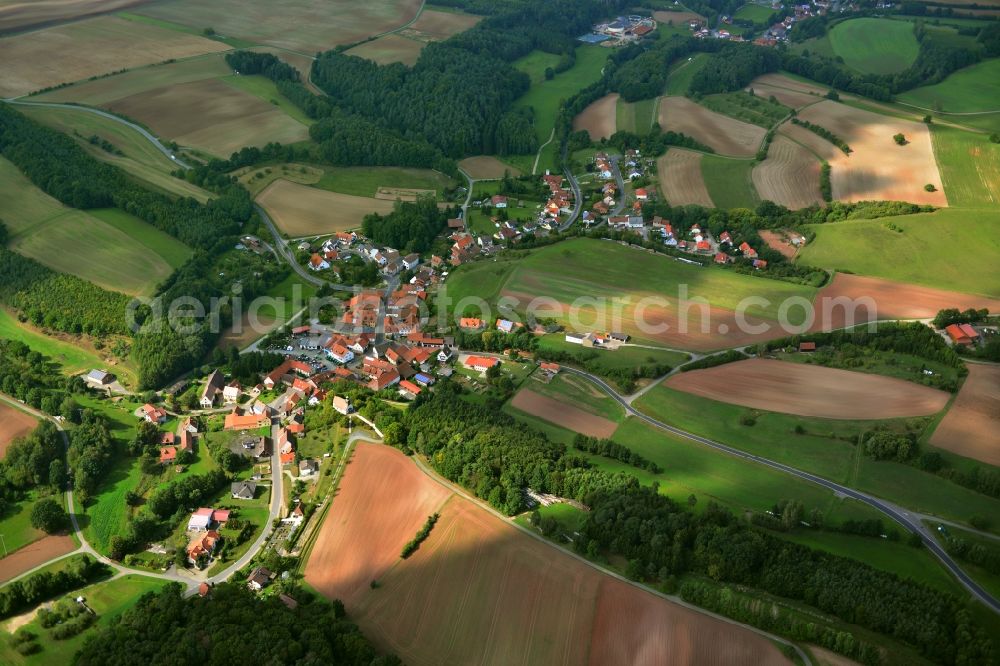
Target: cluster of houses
(345,245)
(468,247)
(778,33)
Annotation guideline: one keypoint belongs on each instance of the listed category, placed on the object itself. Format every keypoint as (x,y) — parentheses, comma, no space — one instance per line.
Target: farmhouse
(216,381)
(499,201)
(259,579)
(231,393)
(202,546)
(99,378)
(962,334)
(235,421)
(204,518)
(168,455)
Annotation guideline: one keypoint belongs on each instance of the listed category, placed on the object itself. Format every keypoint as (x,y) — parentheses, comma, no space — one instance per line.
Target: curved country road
(88,109)
(909,520)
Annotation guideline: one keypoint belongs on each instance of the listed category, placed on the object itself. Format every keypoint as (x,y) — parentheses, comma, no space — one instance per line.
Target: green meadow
(728,182)
(682,72)
(952,248)
(874,46)
(73,359)
(970,89)
(970,166)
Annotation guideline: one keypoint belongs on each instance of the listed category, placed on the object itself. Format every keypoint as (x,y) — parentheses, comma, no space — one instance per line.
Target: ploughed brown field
(484,167)
(436,25)
(679,173)
(971,425)
(300,210)
(810,390)
(13,424)
(77,51)
(880,299)
(877,169)
(727,136)
(22,14)
(35,554)
(481,591)
(562,414)
(789,176)
(600,119)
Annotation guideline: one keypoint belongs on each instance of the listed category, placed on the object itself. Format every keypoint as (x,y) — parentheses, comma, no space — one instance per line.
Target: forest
(411,226)
(231,626)
(481,448)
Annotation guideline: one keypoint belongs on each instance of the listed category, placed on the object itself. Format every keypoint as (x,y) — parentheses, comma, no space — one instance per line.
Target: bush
(900,139)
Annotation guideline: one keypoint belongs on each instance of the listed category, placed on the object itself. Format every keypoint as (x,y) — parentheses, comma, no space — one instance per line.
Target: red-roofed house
(748,251)
(641,194)
(480,363)
(499,201)
(168,454)
(202,546)
(722,258)
(236,421)
(724,237)
(409,387)
(153,414)
(962,334)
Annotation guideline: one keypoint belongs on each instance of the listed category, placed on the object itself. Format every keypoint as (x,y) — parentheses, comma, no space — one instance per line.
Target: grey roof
(97,375)
(244,489)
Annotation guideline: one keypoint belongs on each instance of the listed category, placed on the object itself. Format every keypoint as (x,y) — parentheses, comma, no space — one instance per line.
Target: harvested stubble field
(811,390)
(300,210)
(878,169)
(563,415)
(102,91)
(211,116)
(13,424)
(504,597)
(970,427)
(22,14)
(727,136)
(34,554)
(389,49)
(892,300)
(599,119)
(306,26)
(789,176)
(77,51)
(679,173)
(436,25)
(484,167)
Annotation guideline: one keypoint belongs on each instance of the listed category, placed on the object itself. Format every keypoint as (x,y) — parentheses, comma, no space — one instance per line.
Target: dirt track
(727,136)
(600,119)
(971,425)
(34,554)
(892,300)
(13,424)
(810,390)
(480,591)
(562,414)
(679,173)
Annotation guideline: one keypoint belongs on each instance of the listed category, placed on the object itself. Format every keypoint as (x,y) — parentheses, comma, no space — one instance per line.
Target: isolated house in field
(213,386)
(99,378)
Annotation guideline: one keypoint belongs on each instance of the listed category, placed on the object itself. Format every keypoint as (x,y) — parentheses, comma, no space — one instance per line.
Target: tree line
(483,449)
(27,592)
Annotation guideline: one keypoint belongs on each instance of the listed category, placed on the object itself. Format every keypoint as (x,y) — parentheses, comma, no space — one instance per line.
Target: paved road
(910,520)
(283,248)
(617,173)
(138,128)
(577,195)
